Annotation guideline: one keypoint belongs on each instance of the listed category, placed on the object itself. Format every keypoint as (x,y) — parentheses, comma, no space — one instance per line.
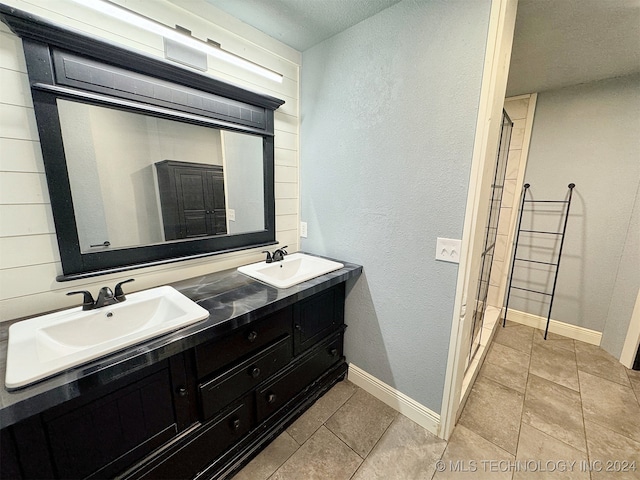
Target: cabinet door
(192,197)
(104,436)
(217,206)
(317,317)
(9,464)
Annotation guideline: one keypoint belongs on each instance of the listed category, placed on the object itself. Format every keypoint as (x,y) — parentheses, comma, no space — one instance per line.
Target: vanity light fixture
(133,18)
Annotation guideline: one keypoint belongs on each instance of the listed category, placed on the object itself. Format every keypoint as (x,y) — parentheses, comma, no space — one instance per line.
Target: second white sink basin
(295,268)
(45,345)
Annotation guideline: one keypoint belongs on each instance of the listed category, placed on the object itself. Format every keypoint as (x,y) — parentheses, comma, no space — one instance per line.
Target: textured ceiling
(557,43)
(566,42)
(302,23)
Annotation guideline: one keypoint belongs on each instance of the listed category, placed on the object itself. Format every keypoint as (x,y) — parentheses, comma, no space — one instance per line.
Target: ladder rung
(532,291)
(540,231)
(536,261)
(546,201)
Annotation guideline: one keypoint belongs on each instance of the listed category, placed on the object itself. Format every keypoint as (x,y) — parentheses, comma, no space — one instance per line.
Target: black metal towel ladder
(555,263)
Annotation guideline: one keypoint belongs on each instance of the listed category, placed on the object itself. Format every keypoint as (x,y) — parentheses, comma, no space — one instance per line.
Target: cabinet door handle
(333,352)
(252,336)
(235,424)
(255,372)
(298,327)
(271,398)
(182,391)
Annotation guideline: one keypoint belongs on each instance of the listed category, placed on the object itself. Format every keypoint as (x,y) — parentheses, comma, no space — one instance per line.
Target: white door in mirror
(292,270)
(43,346)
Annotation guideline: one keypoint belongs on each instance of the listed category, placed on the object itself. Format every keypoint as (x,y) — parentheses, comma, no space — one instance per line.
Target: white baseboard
(400,402)
(555,326)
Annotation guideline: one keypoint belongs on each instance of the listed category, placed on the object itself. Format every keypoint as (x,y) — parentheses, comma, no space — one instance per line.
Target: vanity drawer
(213,356)
(187,460)
(293,380)
(222,390)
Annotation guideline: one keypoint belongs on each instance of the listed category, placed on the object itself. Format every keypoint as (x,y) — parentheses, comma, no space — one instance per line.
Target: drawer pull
(333,352)
(298,327)
(255,372)
(182,391)
(235,424)
(252,336)
(271,398)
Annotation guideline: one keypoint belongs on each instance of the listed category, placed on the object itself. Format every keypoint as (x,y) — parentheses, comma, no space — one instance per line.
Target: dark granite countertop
(232,299)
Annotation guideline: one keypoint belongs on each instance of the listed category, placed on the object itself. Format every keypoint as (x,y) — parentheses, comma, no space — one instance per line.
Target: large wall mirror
(147,164)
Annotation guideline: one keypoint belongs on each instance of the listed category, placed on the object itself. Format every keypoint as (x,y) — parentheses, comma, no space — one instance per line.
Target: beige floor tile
(542,456)
(554,410)
(324,456)
(555,363)
(518,337)
(493,411)
(610,404)
(405,451)
(361,421)
(506,366)
(553,339)
(321,411)
(596,361)
(269,460)
(611,455)
(470,453)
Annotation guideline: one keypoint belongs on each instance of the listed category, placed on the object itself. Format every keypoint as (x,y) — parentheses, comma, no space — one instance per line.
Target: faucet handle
(268,260)
(119,294)
(87,302)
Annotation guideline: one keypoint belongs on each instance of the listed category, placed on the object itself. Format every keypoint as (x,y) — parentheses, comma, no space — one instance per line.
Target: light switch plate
(231,213)
(303,229)
(448,250)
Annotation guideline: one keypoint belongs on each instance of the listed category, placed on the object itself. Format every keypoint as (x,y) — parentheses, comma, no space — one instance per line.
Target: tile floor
(536,407)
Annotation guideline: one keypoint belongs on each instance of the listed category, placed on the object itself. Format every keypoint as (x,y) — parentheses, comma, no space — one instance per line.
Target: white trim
(632,341)
(397,400)
(492,92)
(561,328)
(518,97)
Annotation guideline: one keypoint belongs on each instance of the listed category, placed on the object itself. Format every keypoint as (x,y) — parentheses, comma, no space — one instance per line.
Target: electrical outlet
(303,229)
(448,250)
(231,214)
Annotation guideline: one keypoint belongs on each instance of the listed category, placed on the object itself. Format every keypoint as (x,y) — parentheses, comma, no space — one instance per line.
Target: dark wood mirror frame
(64,63)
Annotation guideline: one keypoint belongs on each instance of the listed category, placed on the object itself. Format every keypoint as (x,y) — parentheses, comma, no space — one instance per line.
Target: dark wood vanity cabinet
(192,199)
(203,413)
(99,434)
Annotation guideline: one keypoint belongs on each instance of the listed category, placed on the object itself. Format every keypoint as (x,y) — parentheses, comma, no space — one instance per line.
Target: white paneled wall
(520,109)
(29,259)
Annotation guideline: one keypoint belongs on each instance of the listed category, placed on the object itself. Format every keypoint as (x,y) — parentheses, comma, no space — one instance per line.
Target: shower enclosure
(491,232)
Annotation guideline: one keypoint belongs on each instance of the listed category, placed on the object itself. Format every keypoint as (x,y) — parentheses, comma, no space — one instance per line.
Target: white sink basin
(45,345)
(295,268)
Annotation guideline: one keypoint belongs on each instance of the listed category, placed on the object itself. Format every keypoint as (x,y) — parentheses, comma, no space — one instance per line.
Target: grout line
(374,445)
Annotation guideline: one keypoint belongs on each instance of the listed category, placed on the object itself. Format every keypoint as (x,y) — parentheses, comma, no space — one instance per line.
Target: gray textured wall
(389,111)
(588,134)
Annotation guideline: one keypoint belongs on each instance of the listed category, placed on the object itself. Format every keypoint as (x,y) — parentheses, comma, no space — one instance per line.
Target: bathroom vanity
(198,402)
(201,401)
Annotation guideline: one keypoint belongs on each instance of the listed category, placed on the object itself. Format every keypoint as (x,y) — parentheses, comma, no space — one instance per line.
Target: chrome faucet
(106,296)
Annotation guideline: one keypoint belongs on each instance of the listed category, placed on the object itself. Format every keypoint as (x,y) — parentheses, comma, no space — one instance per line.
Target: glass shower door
(491,232)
